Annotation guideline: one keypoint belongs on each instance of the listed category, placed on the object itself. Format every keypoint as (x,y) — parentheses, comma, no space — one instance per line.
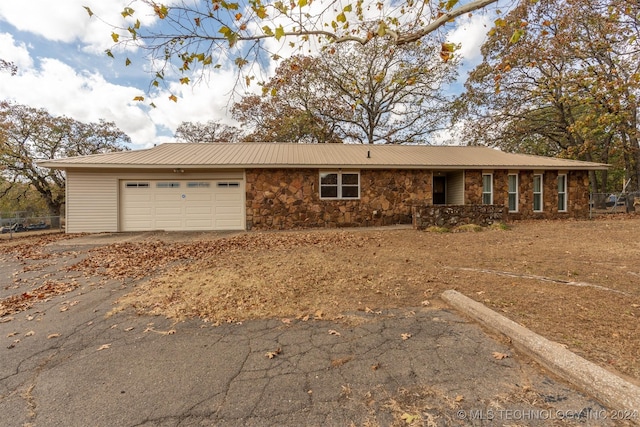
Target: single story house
(247,186)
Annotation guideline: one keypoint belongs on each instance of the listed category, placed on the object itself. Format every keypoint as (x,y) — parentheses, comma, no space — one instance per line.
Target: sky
(62,67)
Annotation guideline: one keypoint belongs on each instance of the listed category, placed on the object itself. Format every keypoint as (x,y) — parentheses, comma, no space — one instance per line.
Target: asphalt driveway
(67,360)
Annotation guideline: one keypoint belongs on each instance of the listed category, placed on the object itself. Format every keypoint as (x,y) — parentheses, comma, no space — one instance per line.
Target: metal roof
(265,155)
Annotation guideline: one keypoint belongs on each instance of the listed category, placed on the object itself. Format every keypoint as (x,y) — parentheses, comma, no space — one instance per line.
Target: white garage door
(181,205)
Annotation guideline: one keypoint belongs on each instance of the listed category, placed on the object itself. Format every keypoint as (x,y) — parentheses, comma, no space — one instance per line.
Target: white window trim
(541,193)
(566,193)
(490,190)
(517,192)
(339,184)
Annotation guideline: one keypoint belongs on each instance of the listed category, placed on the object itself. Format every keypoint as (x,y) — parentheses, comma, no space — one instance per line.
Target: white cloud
(15,52)
(61,90)
(69,21)
(209,100)
(470,33)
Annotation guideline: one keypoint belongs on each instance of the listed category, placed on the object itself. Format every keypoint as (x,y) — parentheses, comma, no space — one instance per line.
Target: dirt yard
(575,282)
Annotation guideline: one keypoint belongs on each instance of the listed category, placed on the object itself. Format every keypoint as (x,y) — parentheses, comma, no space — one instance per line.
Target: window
(513,192)
(339,185)
(137,185)
(562,193)
(228,184)
(487,189)
(537,193)
(166,184)
(198,184)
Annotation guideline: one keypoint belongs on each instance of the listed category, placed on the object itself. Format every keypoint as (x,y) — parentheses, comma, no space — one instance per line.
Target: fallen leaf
(104,347)
(408,418)
(499,356)
(30,333)
(459,398)
(341,361)
(53,336)
(273,354)
(406,336)
(332,332)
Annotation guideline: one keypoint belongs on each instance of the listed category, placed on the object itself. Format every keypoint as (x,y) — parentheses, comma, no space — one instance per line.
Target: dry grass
(539,274)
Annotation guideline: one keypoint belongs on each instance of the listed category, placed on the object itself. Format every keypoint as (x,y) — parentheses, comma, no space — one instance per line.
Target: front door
(439,190)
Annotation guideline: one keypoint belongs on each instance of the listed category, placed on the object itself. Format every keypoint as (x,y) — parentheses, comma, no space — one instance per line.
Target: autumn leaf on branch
(215,29)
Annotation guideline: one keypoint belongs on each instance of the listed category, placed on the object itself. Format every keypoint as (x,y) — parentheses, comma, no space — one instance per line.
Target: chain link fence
(22,222)
(611,203)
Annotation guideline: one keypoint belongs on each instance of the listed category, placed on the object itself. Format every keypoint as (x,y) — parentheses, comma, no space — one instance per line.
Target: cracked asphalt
(68,361)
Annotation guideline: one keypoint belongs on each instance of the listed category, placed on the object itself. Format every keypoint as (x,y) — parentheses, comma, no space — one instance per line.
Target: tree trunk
(54,211)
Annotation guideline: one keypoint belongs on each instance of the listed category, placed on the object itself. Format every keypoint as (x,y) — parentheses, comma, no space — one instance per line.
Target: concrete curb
(619,395)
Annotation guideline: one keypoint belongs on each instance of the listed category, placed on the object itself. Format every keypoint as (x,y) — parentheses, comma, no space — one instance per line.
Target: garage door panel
(168,211)
(199,224)
(140,225)
(199,197)
(167,197)
(231,224)
(227,197)
(145,210)
(139,196)
(199,211)
(169,224)
(182,205)
(228,210)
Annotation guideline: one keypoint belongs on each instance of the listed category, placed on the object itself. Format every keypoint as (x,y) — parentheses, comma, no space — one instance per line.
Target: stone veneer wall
(578,193)
(453,215)
(289,198)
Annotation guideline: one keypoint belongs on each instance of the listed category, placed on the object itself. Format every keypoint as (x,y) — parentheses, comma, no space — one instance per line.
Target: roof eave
(65,166)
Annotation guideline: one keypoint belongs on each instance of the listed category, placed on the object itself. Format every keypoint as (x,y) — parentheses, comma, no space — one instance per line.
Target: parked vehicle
(14,228)
(39,226)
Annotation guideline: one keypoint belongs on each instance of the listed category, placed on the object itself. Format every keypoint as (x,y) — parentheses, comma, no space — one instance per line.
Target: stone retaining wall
(450,216)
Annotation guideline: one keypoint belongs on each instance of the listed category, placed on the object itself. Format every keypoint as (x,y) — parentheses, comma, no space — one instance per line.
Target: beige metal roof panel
(263,155)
